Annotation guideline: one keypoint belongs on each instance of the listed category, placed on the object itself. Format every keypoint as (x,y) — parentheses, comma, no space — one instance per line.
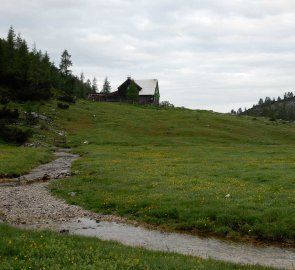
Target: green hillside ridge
(174,167)
(168,167)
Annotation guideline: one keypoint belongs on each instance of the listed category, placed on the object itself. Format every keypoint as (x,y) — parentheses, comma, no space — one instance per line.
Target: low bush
(14,134)
(67,98)
(166,104)
(9,116)
(63,106)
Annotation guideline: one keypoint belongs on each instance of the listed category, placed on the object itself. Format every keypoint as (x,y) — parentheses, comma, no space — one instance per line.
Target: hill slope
(175,168)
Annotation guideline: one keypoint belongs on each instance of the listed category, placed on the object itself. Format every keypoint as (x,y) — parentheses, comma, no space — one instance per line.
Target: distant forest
(28,75)
(282,108)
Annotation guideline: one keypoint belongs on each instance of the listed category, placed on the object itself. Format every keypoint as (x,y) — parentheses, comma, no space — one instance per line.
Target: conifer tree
(132,92)
(157,96)
(106,88)
(88,83)
(240,111)
(65,63)
(11,38)
(82,77)
(94,85)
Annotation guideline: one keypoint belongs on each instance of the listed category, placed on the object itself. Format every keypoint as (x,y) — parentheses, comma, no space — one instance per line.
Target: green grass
(173,168)
(20,249)
(16,161)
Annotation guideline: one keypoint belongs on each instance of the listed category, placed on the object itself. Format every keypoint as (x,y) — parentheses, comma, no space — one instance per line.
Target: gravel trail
(27,201)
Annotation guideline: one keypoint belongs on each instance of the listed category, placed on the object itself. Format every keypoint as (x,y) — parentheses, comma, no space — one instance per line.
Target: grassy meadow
(179,169)
(16,161)
(21,249)
(174,167)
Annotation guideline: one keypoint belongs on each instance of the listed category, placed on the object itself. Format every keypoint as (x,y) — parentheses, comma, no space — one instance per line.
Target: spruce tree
(106,88)
(94,85)
(11,38)
(157,96)
(132,92)
(82,77)
(65,63)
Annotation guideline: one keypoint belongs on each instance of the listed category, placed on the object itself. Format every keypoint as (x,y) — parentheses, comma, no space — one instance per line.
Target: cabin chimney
(128,77)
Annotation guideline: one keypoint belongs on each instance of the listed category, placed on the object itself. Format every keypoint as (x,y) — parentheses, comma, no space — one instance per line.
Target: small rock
(73,194)
(97,221)
(227,196)
(64,231)
(45,177)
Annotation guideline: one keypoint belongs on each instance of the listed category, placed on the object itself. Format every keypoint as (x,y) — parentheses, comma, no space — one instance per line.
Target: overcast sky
(206,54)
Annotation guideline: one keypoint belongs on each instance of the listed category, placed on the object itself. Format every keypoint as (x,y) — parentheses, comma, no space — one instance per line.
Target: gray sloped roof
(148,86)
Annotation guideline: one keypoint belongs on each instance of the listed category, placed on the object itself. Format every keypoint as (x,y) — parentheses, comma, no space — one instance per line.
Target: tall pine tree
(106,88)
(65,63)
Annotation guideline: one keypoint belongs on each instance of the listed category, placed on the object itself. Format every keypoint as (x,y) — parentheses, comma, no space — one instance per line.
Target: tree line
(280,108)
(30,74)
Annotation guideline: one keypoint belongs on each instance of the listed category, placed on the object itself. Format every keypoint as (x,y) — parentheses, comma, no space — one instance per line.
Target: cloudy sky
(206,54)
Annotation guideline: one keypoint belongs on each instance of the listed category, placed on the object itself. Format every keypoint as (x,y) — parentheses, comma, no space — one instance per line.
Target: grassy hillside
(174,168)
(121,124)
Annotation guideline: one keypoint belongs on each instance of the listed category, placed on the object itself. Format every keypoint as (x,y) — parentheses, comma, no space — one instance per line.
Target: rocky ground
(32,205)
(58,168)
(26,201)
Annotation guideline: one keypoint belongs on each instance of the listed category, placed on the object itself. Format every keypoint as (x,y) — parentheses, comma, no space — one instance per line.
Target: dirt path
(58,168)
(184,244)
(27,201)
(33,206)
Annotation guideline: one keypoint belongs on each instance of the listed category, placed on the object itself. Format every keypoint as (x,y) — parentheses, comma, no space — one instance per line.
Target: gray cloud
(206,53)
